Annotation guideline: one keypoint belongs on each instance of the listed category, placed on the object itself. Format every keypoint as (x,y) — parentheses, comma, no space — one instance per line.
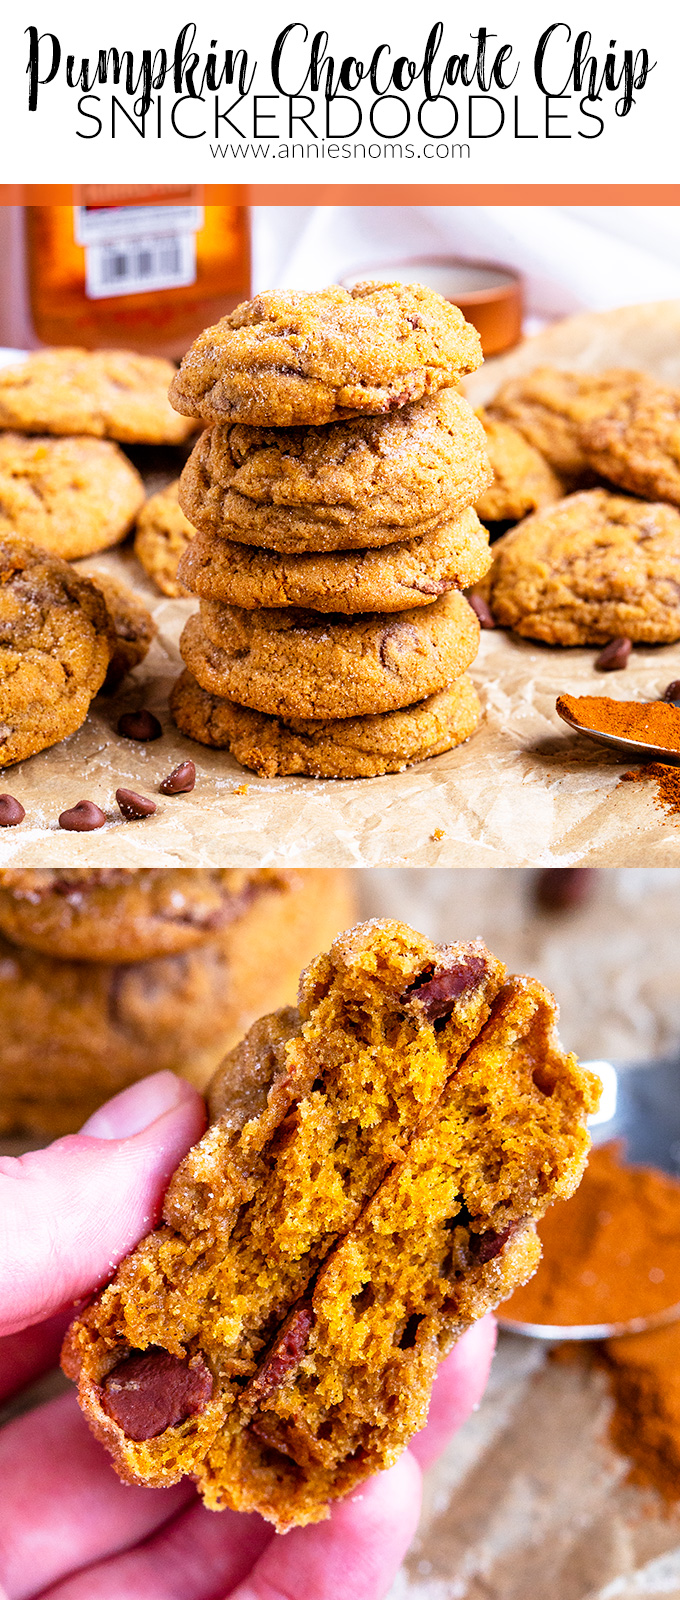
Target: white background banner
(336,93)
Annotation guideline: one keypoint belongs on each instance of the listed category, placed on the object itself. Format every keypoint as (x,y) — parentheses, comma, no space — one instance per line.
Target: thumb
(69,1213)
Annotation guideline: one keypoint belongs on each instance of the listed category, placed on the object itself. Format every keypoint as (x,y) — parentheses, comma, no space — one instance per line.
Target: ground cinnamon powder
(651,721)
(644,1375)
(667,781)
(610,1253)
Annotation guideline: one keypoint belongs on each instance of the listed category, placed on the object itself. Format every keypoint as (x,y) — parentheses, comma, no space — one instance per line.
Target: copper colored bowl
(490,296)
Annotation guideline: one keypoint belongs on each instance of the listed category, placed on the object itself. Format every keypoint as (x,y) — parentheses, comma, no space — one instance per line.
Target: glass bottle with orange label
(142,267)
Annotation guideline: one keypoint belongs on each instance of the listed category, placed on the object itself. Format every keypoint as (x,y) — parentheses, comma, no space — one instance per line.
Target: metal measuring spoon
(640,1104)
(634,749)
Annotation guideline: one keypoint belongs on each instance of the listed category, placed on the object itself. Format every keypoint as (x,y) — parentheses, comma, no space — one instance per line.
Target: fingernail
(137,1107)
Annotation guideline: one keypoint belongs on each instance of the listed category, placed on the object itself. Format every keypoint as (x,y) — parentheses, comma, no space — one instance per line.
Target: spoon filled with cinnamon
(611,1254)
(644,730)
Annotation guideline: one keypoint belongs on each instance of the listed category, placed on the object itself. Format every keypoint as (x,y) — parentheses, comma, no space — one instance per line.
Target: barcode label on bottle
(138,265)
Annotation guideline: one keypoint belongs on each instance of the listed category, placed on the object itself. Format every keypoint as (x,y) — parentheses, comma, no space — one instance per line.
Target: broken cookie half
(368,1187)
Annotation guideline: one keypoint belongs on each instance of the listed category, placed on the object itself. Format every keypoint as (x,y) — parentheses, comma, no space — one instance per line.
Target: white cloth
(571,258)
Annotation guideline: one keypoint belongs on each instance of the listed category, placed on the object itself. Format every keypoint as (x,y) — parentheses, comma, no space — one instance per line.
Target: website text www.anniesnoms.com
(304,104)
(441,151)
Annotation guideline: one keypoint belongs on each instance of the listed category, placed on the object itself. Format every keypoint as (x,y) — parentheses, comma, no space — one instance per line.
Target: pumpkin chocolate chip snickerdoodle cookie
(125,914)
(293,663)
(637,444)
(71,496)
(350,485)
(552,408)
(163,535)
(72,1033)
(369,1185)
(394,578)
(593,567)
(522,479)
(56,642)
(333,496)
(149,976)
(296,356)
(113,394)
(341,747)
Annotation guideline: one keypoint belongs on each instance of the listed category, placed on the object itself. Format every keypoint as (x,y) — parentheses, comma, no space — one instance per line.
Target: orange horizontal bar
(466,194)
(411,194)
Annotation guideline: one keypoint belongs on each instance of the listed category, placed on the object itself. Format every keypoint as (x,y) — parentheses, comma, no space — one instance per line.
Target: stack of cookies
(333,496)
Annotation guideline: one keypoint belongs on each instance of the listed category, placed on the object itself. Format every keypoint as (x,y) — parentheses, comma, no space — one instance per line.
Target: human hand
(68,1526)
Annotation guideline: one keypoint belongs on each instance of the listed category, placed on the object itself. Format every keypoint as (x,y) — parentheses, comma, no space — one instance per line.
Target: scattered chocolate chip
(133,806)
(142,725)
(437,996)
(11,811)
(152,1391)
(286,1353)
(482,610)
(672,693)
(82,817)
(181,780)
(614,656)
(564,888)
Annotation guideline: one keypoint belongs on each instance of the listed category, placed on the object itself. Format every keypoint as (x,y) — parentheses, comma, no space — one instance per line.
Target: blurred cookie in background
(163,534)
(551,408)
(523,480)
(72,496)
(110,394)
(74,1032)
(133,626)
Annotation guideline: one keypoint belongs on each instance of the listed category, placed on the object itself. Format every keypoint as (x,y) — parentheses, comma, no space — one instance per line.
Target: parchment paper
(531,1502)
(524,790)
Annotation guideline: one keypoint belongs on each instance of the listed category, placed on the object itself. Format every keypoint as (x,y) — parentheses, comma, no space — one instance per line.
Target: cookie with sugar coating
(293,663)
(112,394)
(315,356)
(56,642)
(72,496)
(393,578)
(358,484)
(344,747)
(593,567)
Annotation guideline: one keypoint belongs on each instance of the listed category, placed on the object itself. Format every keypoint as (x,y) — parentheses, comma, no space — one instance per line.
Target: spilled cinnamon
(667,781)
(644,1377)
